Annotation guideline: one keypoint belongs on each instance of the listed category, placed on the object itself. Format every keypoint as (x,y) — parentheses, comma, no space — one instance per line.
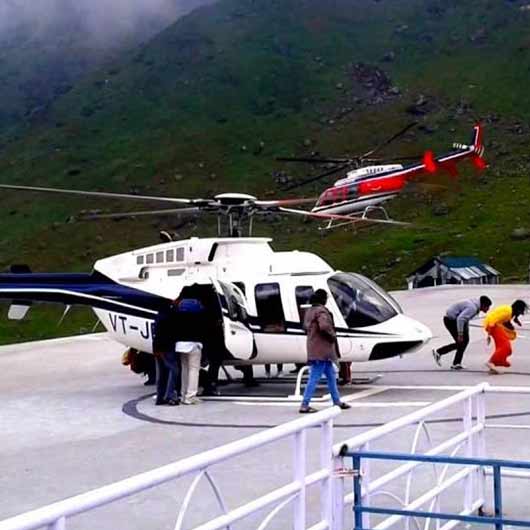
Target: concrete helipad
(72,418)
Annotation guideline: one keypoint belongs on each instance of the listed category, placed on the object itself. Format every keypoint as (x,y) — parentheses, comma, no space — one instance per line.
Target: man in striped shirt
(456,320)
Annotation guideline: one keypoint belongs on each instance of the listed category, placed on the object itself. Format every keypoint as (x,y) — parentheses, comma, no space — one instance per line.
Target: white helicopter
(256,296)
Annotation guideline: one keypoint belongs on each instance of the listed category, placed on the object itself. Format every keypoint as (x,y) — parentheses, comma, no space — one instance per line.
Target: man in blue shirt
(456,320)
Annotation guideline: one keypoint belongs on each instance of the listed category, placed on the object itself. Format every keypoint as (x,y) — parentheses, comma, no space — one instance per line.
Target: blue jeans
(168,382)
(317,368)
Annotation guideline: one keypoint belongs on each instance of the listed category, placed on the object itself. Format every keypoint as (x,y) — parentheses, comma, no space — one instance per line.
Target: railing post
(468,425)
(326,462)
(481,444)
(365,475)
(357,494)
(497,494)
(338,494)
(299,515)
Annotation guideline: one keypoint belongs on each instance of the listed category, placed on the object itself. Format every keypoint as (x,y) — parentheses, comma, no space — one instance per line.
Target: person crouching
(498,326)
(322,350)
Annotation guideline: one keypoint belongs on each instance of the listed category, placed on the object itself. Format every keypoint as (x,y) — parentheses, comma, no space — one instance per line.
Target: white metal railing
(330,475)
(471,440)
(55,516)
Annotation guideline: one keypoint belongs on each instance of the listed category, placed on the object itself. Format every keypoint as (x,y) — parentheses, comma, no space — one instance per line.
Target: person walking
(456,321)
(498,324)
(322,351)
(168,368)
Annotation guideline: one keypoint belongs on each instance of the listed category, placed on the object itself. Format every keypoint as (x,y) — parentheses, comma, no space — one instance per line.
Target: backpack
(190,305)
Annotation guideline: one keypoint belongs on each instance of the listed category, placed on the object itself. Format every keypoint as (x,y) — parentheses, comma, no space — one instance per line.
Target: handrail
(48,515)
(406,468)
(441,459)
(411,510)
(413,417)
(507,389)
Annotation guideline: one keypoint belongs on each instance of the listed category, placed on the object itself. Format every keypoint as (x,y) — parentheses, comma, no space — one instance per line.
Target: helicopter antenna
(390,140)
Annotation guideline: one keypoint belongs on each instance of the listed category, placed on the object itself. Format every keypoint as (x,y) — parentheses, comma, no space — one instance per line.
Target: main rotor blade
(172,211)
(311,160)
(405,158)
(318,177)
(97,194)
(284,202)
(391,139)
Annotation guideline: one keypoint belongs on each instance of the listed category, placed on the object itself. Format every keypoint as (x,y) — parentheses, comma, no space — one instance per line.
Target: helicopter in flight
(367,185)
(255,296)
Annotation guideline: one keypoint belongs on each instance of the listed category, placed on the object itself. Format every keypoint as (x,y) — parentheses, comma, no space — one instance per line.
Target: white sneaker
(191,401)
(280,374)
(437,358)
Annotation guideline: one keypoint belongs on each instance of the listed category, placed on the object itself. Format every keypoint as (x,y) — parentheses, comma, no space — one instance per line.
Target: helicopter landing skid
(364,217)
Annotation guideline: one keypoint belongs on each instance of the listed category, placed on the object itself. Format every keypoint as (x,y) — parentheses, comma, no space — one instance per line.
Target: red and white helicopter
(365,188)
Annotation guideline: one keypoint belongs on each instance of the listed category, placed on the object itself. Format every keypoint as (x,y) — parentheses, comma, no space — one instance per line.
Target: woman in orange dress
(498,325)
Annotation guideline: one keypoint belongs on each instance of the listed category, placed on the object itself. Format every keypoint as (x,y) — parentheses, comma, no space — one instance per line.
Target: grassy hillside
(206,106)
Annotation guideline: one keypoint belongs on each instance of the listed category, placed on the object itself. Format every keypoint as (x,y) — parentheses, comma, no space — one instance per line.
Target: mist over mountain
(102,22)
(47,45)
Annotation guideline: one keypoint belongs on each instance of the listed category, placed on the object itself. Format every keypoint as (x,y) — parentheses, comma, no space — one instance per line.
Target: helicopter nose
(403,335)
(414,330)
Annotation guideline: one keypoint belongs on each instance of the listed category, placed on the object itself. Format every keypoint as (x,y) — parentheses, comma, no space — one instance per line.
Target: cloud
(99,20)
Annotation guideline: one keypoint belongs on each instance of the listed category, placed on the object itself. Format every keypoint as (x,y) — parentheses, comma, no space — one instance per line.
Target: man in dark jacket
(322,350)
(168,367)
(191,338)
(456,320)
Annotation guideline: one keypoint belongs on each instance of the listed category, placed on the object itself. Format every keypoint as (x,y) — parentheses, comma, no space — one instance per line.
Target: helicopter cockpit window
(139,260)
(303,296)
(387,296)
(269,307)
(359,302)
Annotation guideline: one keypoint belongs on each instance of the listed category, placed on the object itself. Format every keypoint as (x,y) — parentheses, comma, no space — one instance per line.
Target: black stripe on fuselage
(95,290)
(414,167)
(297,329)
(99,291)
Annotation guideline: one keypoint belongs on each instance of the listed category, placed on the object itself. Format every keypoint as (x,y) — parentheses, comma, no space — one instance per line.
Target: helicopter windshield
(359,301)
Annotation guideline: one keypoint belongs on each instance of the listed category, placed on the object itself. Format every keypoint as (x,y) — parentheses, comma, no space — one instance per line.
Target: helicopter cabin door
(239,339)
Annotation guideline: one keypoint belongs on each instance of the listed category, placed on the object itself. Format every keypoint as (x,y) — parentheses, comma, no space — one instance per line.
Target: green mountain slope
(206,106)
(47,47)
